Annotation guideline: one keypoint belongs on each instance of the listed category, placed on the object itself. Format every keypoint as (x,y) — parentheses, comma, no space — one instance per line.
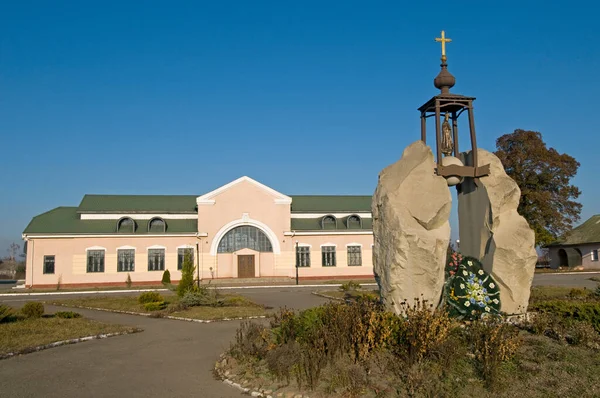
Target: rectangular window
(156,259)
(328,256)
(48,264)
(181,256)
(594,255)
(354,256)
(125,260)
(95,261)
(303,256)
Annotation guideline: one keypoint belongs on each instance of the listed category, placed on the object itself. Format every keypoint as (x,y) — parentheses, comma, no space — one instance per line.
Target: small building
(243,229)
(579,248)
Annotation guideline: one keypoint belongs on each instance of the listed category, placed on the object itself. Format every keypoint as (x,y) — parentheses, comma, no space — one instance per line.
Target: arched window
(244,237)
(126,225)
(354,222)
(157,225)
(329,222)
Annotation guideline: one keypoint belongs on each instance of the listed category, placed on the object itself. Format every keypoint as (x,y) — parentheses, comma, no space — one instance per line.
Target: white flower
(470,262)
(487,309)
(480,272)
(465,273)
(467,303)
(492,286)
(462,285)
(476,286)
(495,301)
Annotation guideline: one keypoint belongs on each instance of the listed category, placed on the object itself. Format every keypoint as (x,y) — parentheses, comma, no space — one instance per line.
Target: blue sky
(310,97)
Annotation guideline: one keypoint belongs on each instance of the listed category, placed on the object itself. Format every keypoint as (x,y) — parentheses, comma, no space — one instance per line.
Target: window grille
(328,256)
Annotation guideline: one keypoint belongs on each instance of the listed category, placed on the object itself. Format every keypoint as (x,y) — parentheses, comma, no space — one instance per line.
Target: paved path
(168,359)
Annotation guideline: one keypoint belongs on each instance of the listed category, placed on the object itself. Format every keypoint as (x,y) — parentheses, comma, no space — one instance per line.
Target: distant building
(243,229)
(579,248)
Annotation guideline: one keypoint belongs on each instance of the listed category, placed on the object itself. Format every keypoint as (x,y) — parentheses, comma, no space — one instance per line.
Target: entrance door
(245,266)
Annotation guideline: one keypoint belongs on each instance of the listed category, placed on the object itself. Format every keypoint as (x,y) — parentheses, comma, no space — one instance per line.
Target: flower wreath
(471,292)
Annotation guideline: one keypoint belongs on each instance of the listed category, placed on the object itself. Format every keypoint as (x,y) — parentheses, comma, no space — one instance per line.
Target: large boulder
(411,208)
(497,234)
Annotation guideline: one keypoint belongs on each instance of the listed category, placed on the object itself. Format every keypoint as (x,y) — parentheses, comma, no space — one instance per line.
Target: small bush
(67,314)
(577,293)
(423,330)
(128,280)
(200,297)
(586,311)
(582,333)
(5,313)
(166,278)
(597,292)
(155,306)
(150,297)
(493,343)
(33,309)
(282,359)
(350,286)
(251,340)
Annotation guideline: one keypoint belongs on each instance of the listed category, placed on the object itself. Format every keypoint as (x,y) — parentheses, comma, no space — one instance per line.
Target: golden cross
(443,40)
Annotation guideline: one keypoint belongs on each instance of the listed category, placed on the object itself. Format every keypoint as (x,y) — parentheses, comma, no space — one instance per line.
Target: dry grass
(220,312)
(29,333)
(234,306)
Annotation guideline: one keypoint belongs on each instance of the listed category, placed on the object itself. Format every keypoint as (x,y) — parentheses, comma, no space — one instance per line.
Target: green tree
(187,275)
(544,177)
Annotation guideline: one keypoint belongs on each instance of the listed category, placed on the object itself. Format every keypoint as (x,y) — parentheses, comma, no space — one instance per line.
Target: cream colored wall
(340,241)
(241,198)
(70,259)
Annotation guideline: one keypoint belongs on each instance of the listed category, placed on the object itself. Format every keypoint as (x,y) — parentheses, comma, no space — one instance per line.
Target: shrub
(155,306)
(577,293)
(200,297)
(422,331)
(597,292)
(350,286)
(493,342)
(282,359)
(150,297)
(187,275)
(67,314)
(251,340)
(166,278)
(585,311)
(582,333)
(33,309)
(5,313)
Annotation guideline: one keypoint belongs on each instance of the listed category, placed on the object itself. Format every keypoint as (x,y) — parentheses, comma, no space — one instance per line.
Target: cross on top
(443,40)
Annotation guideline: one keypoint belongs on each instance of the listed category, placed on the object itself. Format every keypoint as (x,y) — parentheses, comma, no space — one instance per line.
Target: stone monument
(412,204)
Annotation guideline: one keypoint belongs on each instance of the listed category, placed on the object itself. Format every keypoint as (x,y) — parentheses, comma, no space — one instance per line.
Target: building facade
(579,248)
(243,229)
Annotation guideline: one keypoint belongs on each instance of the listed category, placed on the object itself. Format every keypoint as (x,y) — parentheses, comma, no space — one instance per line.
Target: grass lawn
(29,333)
(350,294)
(235,306)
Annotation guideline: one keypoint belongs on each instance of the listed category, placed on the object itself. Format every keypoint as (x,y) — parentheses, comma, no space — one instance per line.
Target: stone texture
(491,229)
(411,207)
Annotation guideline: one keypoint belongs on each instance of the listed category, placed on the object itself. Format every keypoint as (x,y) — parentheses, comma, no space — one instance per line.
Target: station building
(243,229)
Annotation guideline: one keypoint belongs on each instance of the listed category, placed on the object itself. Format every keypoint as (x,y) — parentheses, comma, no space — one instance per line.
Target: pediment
(210,198)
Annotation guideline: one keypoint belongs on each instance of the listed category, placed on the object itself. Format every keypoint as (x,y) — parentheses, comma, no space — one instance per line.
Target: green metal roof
(331,203)
(138,204)
(314,224)
(65,220)
(588,232)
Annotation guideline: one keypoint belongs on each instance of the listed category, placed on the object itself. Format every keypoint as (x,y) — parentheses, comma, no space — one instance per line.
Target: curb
(151,315)
(253,392)
(328,297)
(66,342)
